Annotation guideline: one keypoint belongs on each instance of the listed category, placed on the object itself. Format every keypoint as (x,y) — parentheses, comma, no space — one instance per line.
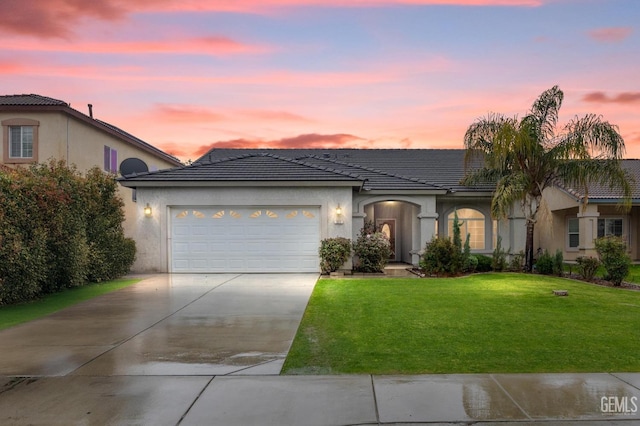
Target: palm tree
(524,156)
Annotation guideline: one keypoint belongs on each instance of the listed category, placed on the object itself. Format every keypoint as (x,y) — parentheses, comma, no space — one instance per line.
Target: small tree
(587,267)
(499,261)
(613,255)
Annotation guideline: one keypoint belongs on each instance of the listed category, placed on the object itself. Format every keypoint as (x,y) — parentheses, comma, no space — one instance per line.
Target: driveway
(166,325)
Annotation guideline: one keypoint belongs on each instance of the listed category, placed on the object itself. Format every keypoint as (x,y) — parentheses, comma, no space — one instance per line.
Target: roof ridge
(314,166)
(370,169)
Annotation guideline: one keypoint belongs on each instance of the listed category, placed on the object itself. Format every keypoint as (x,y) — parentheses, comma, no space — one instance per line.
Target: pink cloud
(57,18)
(622,98)
(54,18)
(610,35)
(212,45)
(185,114)
(273,115)
(312,140)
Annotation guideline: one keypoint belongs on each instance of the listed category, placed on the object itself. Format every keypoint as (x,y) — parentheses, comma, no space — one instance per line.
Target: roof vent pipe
(90,110)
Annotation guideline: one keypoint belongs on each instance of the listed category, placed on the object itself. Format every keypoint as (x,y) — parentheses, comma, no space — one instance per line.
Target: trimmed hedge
(59,229)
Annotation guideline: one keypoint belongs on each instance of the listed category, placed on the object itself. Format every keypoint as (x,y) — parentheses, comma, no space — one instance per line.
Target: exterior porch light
(339,220)
(147,210)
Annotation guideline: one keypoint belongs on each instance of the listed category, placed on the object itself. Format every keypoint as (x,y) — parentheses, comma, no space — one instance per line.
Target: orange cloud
(610,35)
(312,140)
(622,98)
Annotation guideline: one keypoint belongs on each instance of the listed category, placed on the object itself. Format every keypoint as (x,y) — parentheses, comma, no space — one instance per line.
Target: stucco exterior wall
(152,233)
(63,137)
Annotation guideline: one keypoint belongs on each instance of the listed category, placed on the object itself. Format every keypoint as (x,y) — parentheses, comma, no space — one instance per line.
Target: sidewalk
(501,399)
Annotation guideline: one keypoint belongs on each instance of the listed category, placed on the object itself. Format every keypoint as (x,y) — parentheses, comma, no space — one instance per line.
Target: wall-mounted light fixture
(147,210)
(339,219)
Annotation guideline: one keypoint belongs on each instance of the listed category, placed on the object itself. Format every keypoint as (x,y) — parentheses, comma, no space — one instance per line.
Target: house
(37,128)
(266,210)
(566,223)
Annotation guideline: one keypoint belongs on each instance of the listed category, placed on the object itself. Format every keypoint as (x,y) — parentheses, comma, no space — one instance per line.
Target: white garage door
(241,239)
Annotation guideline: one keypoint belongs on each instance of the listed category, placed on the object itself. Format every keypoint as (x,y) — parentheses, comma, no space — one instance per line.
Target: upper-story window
(20,140)
(110,159)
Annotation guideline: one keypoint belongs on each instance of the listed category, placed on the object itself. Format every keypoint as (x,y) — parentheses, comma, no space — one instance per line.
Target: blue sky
(190,75)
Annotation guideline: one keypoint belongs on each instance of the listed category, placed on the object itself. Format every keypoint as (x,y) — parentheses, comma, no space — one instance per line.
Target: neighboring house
(258,210)
(36,129)
(567,224)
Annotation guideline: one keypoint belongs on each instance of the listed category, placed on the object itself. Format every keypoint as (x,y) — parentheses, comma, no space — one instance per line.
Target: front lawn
(484,323)
(17,314)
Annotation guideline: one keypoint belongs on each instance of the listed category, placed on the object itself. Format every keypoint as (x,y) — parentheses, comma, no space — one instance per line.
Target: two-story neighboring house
(36,129)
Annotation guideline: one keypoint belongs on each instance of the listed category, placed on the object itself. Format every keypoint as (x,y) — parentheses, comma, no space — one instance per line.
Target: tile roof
(425,168)
(248,168)
(30,100)
(603,192)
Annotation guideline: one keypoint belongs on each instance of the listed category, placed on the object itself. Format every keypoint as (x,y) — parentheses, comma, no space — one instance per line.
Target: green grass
(17,314)
(485,323)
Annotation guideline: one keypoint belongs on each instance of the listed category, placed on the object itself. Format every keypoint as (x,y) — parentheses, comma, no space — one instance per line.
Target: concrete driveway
(166,325)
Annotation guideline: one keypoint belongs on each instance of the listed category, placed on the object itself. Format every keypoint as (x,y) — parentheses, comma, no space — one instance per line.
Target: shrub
(373,250)
(439,257)
(613,255)
(545,263)
(587,267)
(516,264)
(471,263)
(334,252)
(484,263)
(558,263)
(499,261)
(59,229)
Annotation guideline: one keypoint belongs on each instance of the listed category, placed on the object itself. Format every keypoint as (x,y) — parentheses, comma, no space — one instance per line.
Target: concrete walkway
(207,350)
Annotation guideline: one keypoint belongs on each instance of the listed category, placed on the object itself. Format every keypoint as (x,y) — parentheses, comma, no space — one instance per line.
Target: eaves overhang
(235,184)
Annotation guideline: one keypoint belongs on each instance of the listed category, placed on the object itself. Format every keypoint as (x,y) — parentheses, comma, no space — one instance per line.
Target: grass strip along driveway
(485,323)
(17,314)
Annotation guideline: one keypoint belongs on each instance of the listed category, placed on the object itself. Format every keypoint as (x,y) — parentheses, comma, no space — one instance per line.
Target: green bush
(440,257)
(334,252)
(516,264)
(613,255)
(558,263)
(59,229)
(587,267)
(545,263)
(484,263)
(471,264)
(373,250)
(499,261)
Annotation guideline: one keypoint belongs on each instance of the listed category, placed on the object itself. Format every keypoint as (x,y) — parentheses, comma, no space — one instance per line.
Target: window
(20,140)
(110,159)
(610,226)
(472,223)
(573,232)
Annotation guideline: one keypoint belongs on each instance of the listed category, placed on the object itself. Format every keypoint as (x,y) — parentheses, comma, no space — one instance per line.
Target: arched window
(471,222)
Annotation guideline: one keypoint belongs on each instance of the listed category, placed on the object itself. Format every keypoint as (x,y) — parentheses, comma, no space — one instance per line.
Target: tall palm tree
(525,156)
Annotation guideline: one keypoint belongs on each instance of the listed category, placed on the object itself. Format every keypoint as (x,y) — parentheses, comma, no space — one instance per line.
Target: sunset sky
(190,75)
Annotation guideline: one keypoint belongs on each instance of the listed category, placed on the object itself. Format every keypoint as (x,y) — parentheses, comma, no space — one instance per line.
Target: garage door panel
(236,239)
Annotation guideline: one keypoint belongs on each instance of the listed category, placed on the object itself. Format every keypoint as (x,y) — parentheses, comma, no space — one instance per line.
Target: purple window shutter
(107,158)
(114,161)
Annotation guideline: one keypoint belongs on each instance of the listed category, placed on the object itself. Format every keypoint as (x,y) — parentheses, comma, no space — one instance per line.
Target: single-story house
(566,223)
(266,210)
